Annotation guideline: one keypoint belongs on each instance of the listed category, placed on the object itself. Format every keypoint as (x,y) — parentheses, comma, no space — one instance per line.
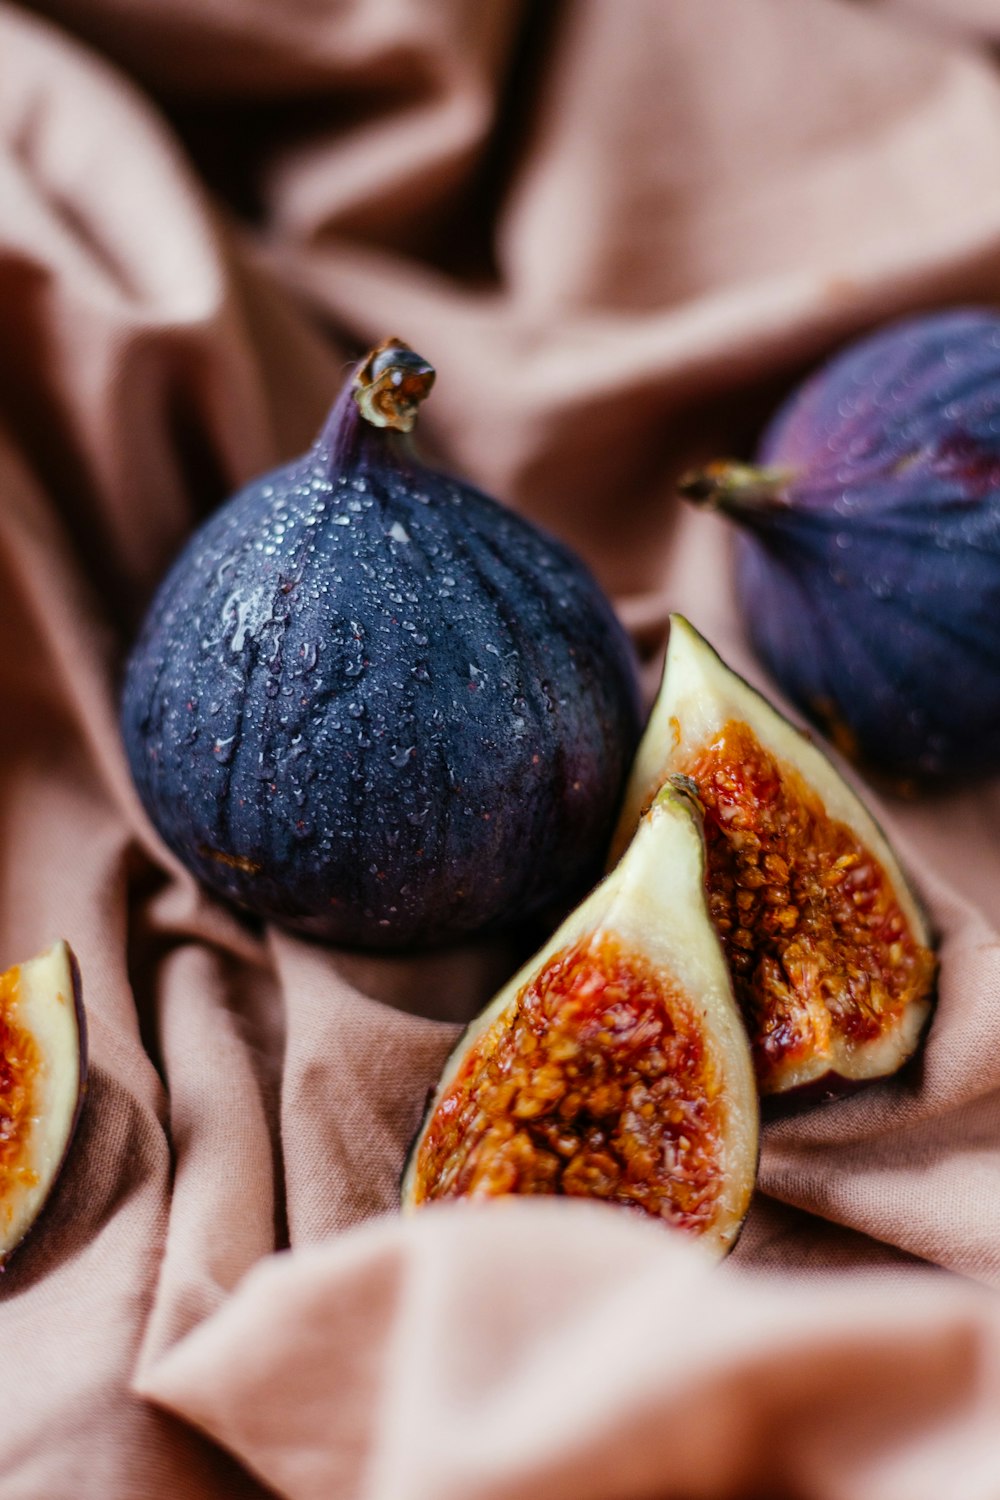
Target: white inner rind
(698,697)
(654,903)
(46,1005)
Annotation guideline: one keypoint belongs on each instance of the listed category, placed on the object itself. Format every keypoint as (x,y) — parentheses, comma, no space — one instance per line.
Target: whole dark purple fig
(869,567)
(373,704)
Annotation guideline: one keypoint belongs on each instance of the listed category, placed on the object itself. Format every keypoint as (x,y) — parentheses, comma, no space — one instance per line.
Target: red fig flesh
(614,1066)
(828,948)
(42,1079)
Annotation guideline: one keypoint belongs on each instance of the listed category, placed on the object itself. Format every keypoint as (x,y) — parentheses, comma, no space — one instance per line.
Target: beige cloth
(620,231)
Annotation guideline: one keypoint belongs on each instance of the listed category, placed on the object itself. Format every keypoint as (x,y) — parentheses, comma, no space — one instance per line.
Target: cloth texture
(621,232)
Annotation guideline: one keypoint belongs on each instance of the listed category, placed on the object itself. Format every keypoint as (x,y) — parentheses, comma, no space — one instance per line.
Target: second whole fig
(868,564)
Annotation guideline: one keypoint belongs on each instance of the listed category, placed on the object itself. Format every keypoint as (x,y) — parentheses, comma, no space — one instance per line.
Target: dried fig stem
(738,489)
(390,384)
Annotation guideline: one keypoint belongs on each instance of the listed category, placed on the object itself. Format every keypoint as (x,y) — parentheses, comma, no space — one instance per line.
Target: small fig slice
(614,1064)
(829,949)
(43,1064)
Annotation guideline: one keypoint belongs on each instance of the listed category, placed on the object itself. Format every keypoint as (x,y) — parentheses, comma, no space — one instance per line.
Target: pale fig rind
(43,1001)
(653,906)
(699,696)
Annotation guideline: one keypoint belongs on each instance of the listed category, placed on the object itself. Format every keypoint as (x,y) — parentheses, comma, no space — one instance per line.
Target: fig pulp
(42,1079)
(828,948)
(614,1065)
(373,704)
(868,560)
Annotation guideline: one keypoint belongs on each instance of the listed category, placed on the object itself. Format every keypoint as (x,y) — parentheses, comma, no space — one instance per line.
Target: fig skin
(700,696)
(49,1008)
(652,908)
(868,564)
(371,703)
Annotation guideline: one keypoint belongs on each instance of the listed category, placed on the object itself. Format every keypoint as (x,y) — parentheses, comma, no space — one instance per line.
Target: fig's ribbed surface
(372,703)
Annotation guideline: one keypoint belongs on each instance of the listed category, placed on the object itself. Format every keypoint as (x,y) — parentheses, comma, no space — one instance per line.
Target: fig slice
(43,1063)
(614,1065)
(829,948)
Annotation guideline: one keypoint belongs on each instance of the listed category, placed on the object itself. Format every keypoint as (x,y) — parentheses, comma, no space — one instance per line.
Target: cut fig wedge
(43,1064)
(829,949)
(614,1065)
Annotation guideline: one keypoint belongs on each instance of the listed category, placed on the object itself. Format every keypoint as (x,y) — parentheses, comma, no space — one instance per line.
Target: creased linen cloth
(620,232)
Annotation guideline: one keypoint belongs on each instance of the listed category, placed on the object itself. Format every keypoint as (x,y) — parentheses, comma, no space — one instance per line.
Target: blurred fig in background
(868,568)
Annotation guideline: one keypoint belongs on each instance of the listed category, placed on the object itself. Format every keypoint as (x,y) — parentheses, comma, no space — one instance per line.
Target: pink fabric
(619,241)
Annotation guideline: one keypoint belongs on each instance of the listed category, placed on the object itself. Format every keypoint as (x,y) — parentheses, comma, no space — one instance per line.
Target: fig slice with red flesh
(43,1064)
(829,949)
(614,1065)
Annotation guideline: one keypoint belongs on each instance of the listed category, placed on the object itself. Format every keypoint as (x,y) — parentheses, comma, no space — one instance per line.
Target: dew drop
(401,757)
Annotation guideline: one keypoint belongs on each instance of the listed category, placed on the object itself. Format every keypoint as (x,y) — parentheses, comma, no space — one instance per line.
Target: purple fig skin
(84,1056)
(868,568)
(831,1086)
(371,703)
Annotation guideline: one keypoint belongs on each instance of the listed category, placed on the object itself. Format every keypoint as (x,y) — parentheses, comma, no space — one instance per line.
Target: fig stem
(390,383)
(739,489)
